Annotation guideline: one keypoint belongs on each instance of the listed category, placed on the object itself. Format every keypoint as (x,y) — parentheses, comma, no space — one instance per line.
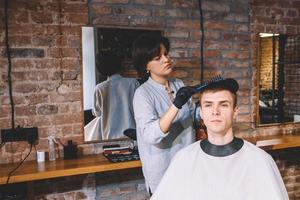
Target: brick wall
(275,16)
(45,43)
(46,65)
(292,78)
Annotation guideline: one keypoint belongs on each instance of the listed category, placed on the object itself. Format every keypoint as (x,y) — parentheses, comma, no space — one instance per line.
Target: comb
(215,79)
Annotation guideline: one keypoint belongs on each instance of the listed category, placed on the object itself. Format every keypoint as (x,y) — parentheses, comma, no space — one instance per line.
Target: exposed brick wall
(45,40)
(276,16)
(45,44)
(292,77)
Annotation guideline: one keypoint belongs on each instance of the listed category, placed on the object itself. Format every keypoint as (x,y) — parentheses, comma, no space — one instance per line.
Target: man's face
(217,112)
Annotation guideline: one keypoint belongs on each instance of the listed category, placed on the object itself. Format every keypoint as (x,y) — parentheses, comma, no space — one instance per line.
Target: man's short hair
(108,63)
(228,84)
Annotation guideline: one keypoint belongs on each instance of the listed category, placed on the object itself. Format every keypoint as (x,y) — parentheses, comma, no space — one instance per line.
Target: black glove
(183,95)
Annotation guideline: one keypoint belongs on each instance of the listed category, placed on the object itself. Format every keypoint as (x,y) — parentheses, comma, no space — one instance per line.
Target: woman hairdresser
(162,109)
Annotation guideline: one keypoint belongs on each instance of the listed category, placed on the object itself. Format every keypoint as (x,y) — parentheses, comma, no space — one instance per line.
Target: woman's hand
(183,95)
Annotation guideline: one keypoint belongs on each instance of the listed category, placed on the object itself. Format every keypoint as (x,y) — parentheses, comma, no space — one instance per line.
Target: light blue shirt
(151,101)
(113,105)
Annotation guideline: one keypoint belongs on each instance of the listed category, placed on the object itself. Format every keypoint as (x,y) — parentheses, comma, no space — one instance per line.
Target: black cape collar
(221,150)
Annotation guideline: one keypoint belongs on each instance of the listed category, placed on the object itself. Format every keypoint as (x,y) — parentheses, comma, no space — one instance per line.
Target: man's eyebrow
(225,101)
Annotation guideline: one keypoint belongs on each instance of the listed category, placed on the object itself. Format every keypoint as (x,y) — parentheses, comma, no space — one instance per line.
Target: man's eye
(225,105)
(207,105)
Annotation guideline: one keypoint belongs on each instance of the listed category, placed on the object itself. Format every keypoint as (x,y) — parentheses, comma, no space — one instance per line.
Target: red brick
(48,63)
(207,54)
(217,45)
(5,111)
(30,76)
(179,73)
(183,4)
(22,64)
(178,53)
(182,43)
(244,118)
(77,19)
(25,110)
(25,87)
(184,23)
(110,20)
(36,98)
(236,55)
(177,33)
(42,17)
(42,40)
(187,63)
(132,11)
(20,17)
(74,8)
(147,22)
(244,109)
(20,41)
(151,2)
(215,6)
(71,29)
(71,63)
(176,13)
(218,26)
(70,52)
(100,9)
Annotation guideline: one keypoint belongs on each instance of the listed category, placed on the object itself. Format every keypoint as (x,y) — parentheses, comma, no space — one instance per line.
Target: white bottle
(51,147)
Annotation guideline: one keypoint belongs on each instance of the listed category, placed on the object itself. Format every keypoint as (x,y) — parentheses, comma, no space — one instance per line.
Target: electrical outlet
(20,134)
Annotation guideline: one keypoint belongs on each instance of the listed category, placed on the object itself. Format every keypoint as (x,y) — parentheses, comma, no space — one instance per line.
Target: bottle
(51,148)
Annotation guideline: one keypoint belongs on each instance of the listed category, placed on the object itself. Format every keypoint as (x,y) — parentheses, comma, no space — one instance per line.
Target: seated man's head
(218,102)
(108,63)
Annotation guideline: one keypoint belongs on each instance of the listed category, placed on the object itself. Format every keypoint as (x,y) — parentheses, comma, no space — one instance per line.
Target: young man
(221,166)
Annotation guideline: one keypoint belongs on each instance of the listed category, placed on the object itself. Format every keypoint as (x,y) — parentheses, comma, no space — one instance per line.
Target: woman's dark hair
(145,48)
(108,63)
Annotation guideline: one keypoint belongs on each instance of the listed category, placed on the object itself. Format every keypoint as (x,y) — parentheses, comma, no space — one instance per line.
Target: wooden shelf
(31,170)
(275,142)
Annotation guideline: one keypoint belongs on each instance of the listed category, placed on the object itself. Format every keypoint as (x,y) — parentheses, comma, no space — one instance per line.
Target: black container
(70,150)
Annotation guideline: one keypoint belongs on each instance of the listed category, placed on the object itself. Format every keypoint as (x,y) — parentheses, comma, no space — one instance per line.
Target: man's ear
(235,112)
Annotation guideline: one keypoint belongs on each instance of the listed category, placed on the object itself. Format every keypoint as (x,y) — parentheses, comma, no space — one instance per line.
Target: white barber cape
(248,174)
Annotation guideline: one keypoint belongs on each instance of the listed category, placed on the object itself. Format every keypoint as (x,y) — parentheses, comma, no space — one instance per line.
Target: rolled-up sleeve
(147,119)
(98,103)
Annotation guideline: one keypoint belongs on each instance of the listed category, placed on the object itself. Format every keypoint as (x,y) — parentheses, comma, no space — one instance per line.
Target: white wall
(89,67)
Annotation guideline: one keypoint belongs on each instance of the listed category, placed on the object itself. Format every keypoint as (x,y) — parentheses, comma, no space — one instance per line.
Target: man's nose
(215,110)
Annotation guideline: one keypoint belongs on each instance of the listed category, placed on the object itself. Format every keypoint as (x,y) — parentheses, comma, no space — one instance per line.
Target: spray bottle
(51,148)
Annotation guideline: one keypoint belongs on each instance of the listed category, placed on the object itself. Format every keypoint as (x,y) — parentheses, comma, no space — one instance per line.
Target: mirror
(278,78)
(96,41)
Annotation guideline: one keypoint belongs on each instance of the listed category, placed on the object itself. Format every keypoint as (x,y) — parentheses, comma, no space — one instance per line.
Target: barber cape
(249,173)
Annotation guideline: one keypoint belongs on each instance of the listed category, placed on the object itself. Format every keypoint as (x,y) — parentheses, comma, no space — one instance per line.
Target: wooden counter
(275,142)
(31,170)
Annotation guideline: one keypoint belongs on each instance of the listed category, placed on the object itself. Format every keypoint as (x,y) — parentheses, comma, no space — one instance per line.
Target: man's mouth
(216,120)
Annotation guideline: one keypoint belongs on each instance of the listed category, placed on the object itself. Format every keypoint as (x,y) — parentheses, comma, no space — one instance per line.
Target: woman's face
(160,66)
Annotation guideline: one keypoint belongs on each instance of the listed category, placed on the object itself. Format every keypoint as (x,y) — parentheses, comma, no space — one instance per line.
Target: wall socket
(20,134)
